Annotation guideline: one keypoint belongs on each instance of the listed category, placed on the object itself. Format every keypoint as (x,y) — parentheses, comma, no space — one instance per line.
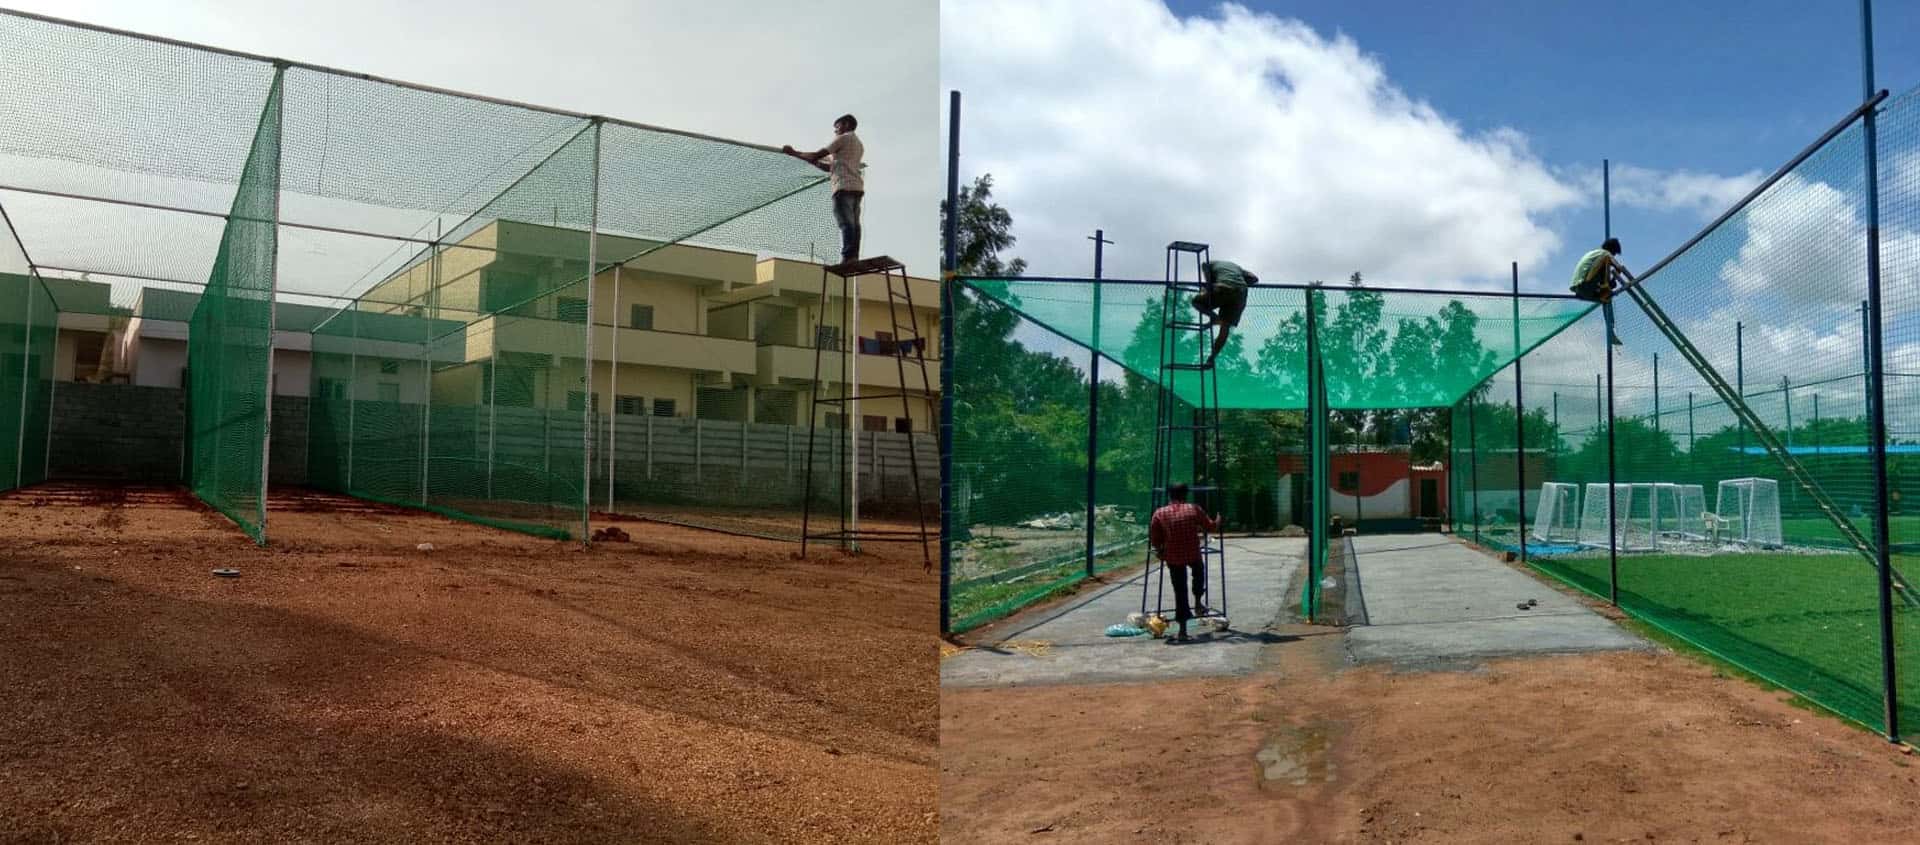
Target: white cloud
(1286,149)
(1704,194)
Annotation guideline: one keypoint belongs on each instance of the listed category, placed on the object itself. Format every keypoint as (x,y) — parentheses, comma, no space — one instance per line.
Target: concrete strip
(1433,600)
(1077,650)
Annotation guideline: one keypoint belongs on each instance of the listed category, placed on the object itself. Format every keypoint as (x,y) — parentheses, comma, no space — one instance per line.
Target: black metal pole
(1093,396)
(1876,413)
(1613,500)
(1740,382)
(948,263)
(1519,418)
(1473,444)
(1656,392)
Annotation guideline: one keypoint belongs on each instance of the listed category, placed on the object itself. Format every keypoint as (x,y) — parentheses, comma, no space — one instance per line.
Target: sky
(1431,147)
(769,74)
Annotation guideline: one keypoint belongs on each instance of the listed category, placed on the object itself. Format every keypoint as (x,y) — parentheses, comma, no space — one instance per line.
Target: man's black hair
(1612,245)
(1177,492)
(848,120)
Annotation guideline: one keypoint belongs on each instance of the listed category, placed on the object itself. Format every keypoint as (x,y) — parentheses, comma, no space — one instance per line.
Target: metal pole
(1876,413)
(613,378)
(493,390)
(273,293)
(353,383)
(1740,378)
(26,378)
(1093,393)
(1606,198)
(1613,501)
(1656,393)
(947,264)
(1473,447)
(426,362)
(586,407)
(1519,419)
(854,422)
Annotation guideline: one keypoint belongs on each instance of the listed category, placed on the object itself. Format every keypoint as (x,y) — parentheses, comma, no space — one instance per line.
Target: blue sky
(1719,87)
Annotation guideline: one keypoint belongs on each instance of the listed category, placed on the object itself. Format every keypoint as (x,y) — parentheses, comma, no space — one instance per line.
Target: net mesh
(1742,549)
(467,269)
(230,344)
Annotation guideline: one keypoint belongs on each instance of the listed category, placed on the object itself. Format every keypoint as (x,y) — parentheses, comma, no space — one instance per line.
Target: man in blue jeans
(845,152)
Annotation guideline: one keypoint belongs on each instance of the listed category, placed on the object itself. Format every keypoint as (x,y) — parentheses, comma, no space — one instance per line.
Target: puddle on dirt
(1296,756)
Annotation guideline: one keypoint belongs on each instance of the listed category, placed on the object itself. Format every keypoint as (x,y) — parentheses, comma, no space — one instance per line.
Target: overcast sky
(769,73)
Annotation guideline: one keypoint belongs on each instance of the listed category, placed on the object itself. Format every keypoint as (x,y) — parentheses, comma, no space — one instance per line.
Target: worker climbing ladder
(1185,341)
(841,396)
(1766,436)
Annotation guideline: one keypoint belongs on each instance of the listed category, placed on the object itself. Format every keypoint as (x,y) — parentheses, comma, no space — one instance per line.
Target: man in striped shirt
(1175,533)
(1593,280)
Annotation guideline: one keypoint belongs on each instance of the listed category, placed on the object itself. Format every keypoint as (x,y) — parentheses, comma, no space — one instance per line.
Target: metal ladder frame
(1203,429)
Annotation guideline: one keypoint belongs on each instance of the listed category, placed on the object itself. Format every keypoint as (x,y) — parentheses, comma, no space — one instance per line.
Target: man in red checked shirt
(1175,533)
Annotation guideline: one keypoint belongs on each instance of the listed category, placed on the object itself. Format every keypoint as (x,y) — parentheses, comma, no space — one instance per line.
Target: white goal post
(1749,511)
(1556,517)
(1644,515)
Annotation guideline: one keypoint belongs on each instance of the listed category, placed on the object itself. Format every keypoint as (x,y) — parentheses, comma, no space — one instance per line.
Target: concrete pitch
(1431,600)
(1077,649)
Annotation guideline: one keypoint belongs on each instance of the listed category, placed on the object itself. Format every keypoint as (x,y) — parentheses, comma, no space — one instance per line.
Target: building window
(571,309)
(577,400)
(902,425)
(1349,481)
(332,388)
(870,422)
(388,391)
(663,407)
(630,405)
(827,337)
(641,317)
(836,420)
(389,367)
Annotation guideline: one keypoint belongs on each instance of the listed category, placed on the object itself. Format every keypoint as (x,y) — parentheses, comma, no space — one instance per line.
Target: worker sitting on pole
(1224,300)
(846,151)
(1594,280)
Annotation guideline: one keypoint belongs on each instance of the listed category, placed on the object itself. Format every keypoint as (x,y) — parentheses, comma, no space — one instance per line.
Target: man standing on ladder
(846,153)
(1593,281)
(1174,532)
(1224,300)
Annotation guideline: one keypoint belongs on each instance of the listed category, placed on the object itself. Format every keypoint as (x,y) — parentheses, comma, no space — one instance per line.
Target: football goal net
(1556,517)
(1748,511)
(1643,516)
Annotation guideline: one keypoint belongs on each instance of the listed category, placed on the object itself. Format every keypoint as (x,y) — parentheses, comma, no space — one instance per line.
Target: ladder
(1765,434)
(905,340)
(1201,429)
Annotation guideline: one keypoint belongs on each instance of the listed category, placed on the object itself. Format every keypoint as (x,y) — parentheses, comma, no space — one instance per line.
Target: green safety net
(1732,521)
(230,344)
(28,318)
(438,248)
(1381,349)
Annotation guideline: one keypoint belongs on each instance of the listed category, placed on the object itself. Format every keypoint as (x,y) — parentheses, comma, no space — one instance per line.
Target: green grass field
(1809,623)
(1817,530)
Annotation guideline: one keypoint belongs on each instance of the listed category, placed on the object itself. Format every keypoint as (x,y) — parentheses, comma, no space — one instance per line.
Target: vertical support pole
(586,411)
(1519,419)
(273,292)
(1740,381)
(1613,499)
(948,268)
(1656,393)
(1093,394)
(1606,197)
(1876,377)
(1556,413)
(353,382)
(1473,445)
(1815,425)
(426,366)
(493,392)
(26,378)
(613,376)
(1689,426)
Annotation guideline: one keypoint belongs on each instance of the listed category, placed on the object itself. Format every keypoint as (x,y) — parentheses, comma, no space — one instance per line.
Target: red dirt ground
(1620,747)
(685,687)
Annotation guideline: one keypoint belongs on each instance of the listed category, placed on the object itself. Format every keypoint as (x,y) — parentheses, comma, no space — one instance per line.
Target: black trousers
(846,212)
(1196,573)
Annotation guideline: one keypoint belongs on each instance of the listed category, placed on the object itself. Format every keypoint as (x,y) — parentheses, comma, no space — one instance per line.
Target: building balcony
(793,366)
(641,347)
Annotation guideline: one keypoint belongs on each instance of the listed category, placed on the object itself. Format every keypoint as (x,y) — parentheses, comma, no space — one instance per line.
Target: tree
(982,231)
